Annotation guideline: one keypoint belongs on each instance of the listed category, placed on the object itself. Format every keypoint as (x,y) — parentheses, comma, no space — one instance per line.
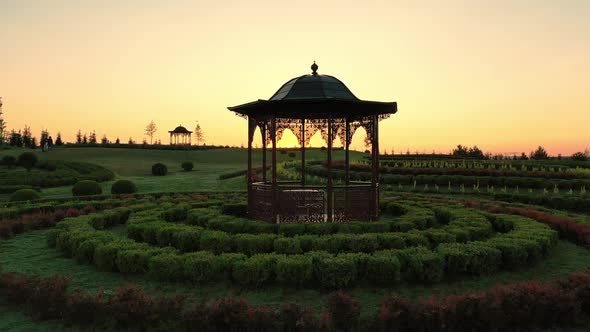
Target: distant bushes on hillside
(159,169)
(86,187)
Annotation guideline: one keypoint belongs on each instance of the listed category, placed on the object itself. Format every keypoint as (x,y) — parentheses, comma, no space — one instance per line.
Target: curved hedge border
(516,307)
(526,243)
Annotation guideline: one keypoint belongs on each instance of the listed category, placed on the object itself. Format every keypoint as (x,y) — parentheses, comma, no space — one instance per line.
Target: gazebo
(180,136)
(306,105)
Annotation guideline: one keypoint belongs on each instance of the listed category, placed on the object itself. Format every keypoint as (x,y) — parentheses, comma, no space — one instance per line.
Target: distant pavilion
(180,136)
(306,105)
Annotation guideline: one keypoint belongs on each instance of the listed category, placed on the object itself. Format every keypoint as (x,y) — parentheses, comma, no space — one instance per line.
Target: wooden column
(330,189)
(375,168)
(273,136)
(347,154)
(249,172)
(263,133)
(303,152)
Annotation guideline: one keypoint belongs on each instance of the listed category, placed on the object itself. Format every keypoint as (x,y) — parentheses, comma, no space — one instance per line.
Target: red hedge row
(519,306)
(567,227)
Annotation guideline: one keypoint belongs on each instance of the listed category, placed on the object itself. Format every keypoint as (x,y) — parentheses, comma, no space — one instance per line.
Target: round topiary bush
(123,187)
(27,160)
(8,160)
(187,166)
(159,169)
(86,187)
(24,195)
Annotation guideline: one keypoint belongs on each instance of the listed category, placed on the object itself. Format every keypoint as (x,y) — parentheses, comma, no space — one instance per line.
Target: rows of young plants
(507,171)
(554,166)
(458,242)
(446,180)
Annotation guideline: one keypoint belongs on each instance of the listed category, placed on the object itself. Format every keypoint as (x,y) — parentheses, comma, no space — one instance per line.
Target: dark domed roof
(180,130)
(313,86)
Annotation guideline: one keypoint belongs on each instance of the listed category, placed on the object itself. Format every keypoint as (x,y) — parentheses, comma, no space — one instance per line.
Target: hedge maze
(202,240)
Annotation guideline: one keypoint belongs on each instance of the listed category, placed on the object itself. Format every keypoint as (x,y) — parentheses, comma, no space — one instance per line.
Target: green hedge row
(467,225)
(455,180)
(522,242)
(412,218)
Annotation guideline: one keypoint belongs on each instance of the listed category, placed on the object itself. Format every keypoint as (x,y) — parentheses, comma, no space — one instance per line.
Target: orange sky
(505,75)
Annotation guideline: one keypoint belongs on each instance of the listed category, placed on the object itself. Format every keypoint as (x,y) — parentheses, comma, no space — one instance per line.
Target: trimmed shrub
(200,266)
(294,270)
(236,209)
(86,187)
(27,160)
(187,166)
(167,267)
(8,160)
(256,270)
(159,169)
(24,195)
(123,187)
(215,241)
(383,269)
(287,245)
(471,258)
(336,272)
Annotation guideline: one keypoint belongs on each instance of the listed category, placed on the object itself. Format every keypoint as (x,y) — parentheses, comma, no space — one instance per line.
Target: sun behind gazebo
(306,105)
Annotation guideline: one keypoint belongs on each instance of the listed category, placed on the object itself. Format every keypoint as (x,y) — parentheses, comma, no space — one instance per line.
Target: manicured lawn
(135,165)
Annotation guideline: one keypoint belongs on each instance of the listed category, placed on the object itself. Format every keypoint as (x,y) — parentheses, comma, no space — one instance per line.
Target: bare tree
(150,130)
(2,125)
(199,135)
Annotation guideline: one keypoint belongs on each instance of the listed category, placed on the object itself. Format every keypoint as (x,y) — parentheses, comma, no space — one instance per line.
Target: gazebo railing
(296,203)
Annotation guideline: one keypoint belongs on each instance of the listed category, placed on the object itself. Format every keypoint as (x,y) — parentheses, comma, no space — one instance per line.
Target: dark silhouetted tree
(523,156)
(58,140)
(539,154)
(2,125)
(579,156)
(117,141)
(15,139)
(79,137)
(85,139)
(150,130)
(92,138)
(27,137)
(130,141)
(104,140)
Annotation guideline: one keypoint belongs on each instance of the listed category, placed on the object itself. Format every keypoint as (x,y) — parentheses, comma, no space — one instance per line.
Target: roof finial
(314,67)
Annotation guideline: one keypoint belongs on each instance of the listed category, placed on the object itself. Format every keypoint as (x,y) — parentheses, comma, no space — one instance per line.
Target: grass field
(135,165)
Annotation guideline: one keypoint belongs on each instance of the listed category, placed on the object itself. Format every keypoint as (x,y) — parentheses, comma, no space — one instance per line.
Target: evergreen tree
(92,139)
(130,140)
(117,141)
(2,125)
(27,137)
(16,139)
(539,154)
(79,137)
(85,139)
(104,140)
(58,140)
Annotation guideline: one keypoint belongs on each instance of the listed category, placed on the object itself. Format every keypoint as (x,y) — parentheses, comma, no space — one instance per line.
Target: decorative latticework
(307,105)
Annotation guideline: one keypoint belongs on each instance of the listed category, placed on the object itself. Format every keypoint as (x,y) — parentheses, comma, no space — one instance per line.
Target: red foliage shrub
(84,309)
(229,314)
(88,209)
(130,306)
(72,212)
(343,310)
(296,318)
(48,298)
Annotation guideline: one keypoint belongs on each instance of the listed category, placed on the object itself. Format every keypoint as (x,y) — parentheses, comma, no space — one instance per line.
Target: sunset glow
(504,75)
